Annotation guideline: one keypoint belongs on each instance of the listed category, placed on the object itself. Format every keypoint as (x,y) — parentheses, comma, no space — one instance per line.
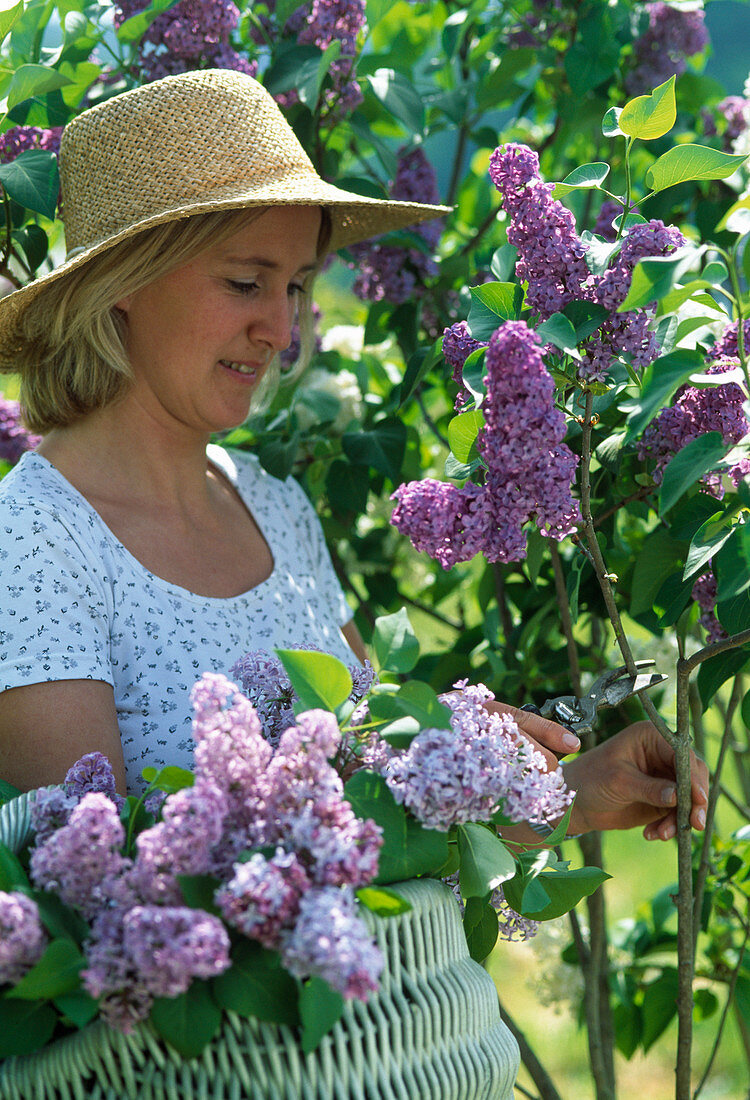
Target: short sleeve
(310,534)
(54,605)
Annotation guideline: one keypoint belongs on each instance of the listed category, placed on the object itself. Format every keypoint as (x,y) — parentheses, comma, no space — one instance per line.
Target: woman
(133,558)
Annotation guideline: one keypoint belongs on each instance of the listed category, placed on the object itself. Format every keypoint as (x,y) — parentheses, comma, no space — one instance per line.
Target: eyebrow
(269,265)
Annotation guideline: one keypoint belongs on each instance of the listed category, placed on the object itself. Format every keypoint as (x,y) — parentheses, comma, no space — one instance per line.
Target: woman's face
(201,337)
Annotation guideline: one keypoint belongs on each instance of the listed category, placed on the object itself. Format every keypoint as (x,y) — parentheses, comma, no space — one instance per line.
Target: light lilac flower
(263,897)
(15,440)
(50,809)
(79,860)
(22,937)
(171,946)
(331,942)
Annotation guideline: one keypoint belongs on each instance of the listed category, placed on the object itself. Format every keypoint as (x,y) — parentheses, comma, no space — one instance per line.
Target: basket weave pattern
(431,1032)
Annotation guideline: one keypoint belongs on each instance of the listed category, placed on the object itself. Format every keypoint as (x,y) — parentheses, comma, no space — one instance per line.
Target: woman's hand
(550,739)
(629,780)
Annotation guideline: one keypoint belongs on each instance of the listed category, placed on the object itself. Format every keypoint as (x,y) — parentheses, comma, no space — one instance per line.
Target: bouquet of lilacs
(237,885)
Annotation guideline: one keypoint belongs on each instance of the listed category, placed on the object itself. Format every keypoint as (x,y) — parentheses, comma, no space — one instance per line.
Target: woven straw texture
(432,1032)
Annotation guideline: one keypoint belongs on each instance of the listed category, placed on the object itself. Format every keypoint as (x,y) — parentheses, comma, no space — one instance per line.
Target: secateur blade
(617,685)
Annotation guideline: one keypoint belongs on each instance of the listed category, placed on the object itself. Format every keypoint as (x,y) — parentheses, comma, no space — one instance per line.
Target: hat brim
(355,218)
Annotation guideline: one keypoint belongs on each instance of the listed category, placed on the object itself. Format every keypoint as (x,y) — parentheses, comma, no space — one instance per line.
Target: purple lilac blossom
(528,468)
(458,344)
(14,439)
(22,937)
(736,112)
(609,210)
(80,860)
(18,139)
(171,946)
(482,763)
(673,35)
(110,975)
(193,34)
(704,593)
(693,413)
(50,810)
(265,682)
(331,942)
(727,344)
(263,897)
(93,772)
(388,272)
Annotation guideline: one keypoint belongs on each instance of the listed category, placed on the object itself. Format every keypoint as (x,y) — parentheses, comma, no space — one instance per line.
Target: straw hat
(191,144)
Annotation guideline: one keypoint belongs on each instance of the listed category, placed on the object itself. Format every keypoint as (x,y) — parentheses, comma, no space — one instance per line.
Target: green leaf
(78,1007)
(731,569)
(708,540)
(8,792)
(611,122)
(381,447)
(691,162)
(659,1006)
(473,374)
(419,700)
(257,984)
(384,902)
(650,116)
(688,466)
(491,304)
(57,972)
(198,891)
(187,1022)
(319,679)
(659,555)
(60,921)
(8,17)
(170,779)
(672,598)
(25,1027)
(481,928)
(655,277)
(408,848)
(585,176)
(503,262)
(734,613)
(565,888)
(462,434)
(661,380)
(347,486)
(400,97)
(133,29)
(32,181)
(12,874)
(395,643)
(400,732)
(30,81)
(717,670)
(593,56)
(485,861)
(705,1003)
(320,1007)
(558,330)
(34,242)
(585,317)
(737,218)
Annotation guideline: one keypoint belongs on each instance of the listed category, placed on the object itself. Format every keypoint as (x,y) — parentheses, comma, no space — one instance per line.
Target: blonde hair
(73,356)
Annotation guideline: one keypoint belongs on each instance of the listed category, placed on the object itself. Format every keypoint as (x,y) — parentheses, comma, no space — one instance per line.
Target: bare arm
(45,728)
(354,640)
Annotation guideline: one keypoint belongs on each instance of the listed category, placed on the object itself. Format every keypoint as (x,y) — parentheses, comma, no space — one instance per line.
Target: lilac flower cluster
(528,467)
(704,594)
(264,680)
(391,273)
(693,413)
(245,800)
(458,344)
(22,937)
(673,35)
(193,34)
(735,110)
(14,439)
(551,260)
(18,139)
(479,765)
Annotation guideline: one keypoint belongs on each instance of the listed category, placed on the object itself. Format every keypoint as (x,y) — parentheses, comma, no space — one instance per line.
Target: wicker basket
(432,1032)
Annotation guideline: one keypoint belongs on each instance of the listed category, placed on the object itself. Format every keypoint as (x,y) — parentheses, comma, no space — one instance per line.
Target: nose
(274,328)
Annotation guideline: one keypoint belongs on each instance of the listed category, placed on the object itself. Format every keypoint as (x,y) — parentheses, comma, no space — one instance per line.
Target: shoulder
(37,503)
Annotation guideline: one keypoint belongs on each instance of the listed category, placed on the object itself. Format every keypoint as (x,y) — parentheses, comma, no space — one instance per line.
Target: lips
(248,369)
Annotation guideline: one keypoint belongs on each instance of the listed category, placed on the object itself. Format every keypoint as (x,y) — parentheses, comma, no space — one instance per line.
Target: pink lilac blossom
(479,765)
(693,413)
(390,273)
(331,942)
(80,860)
(458,344)
(265,682)
(18,139)
(263,897)
(528,468)
(14,439)
(22,937)
(704,593)
(673,35)
(193,34)
(169,946)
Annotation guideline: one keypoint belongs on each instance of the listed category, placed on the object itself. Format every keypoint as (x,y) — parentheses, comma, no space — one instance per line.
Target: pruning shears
(612,687)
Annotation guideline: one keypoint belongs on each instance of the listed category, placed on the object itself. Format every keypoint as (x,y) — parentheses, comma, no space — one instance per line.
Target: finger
(664,828)
(545,732)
